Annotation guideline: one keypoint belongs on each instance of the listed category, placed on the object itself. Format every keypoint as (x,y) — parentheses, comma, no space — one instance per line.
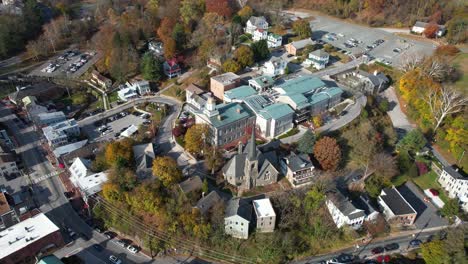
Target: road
(352,112)
(50,199)
(364,251)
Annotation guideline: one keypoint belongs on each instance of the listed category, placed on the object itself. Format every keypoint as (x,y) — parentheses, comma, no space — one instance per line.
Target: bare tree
(384,165)
(444,102)
(436,69)
(412,62)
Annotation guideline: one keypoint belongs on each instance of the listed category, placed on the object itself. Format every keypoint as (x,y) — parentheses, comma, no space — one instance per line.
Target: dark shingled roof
(240,207)
(191,184)
(207,202)
(454,173)
(345,206)
(395,201)
(298,162)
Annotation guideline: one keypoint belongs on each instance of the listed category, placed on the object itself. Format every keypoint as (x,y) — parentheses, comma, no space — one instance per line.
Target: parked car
(415,243)
(98,247)
(377,250)
(114,259)
(132,249)
(383,259)
(392,246)
(109,235)
(121,243)
(345,258)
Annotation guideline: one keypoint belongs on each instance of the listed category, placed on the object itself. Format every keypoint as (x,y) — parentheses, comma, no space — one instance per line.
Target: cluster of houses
(263,105)
(8,159)
(258,28)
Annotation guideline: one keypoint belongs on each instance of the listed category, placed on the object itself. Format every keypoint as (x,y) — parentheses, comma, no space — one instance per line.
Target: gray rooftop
(257,21)
(320,53)
(207,202)
(345,206)
(193,183)
(300,44)
(395,201)
(298,162)
(226,78)
(240,207)
(454,173)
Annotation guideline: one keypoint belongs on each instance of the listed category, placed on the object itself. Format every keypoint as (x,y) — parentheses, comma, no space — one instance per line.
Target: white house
(133,90)
(274,40)
(156,47)
(344,212)
(237,218)
(298,169)
(47,119)
(318,59)
(275,66)
(419,28)
(259,34)
(255,23)
(265,216)
(456,185)
(81,176)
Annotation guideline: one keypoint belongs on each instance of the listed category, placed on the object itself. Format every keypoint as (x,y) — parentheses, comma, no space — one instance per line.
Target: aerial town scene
(233,131)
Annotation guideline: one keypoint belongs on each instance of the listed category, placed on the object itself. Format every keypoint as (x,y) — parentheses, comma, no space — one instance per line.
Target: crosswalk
(45,177)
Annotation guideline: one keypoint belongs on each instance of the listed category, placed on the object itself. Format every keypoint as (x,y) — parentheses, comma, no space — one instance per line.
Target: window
(242,224)
(237,223)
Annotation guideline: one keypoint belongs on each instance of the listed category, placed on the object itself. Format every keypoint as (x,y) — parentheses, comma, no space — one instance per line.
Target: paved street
(50,199)
(364,251)
(399,119)
(353,112)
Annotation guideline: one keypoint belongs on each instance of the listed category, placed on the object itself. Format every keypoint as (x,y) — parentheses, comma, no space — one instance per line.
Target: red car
(383,259)
(434,192)
(377,250)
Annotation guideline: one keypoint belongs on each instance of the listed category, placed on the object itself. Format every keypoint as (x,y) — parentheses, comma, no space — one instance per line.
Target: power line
(184,244)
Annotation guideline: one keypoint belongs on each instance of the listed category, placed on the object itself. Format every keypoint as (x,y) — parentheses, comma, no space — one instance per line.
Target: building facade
(275,66)
(274,41)
(259,34)
(171,68)
(296,47)
(318,59)
(222,83)
(396,209)
(344,212)
(237,218)
(22,242)
(455,185)
(60,133)
(255,23)
(298,169)
(265,216)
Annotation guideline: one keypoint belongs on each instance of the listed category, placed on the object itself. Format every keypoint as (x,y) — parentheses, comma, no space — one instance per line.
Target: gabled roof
(298,162)
(256,21)
(345,206)
(144,156)
(454,173)
(194,89)
(240,207)
(207,202)
(193,183)
(395,202)
(320,53)
(300,44)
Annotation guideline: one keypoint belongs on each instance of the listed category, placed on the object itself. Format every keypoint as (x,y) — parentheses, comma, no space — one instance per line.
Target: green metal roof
(229,113)
(325,95)
(239,92)
(50,260)
(276,111)
(275,35)
(302,85)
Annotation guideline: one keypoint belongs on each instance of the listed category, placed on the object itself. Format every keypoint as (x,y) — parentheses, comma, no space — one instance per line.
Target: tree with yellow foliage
(119,153)
(165,168)
(196,138)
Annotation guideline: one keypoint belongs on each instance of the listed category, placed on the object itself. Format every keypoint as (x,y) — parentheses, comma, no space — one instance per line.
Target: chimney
(220,117)
(376,72)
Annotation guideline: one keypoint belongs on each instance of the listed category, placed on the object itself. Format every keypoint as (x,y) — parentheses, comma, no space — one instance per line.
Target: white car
(114,259)
(132,249)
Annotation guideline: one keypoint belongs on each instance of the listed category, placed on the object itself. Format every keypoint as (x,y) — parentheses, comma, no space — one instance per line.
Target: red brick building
(22,242)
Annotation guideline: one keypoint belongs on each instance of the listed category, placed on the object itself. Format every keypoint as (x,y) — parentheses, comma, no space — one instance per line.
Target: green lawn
(429,181)
(461,63)
(113,97)
(400,179)
(291,132)
(176,92)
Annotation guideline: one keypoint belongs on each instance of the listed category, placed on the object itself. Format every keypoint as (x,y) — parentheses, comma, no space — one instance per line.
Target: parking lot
(110,128)
(338,33)
(70,64)
(358,39)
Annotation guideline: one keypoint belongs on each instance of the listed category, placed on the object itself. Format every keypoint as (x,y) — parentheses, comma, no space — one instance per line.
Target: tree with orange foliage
(169,48)
(328,153)
(431,30)
(165,28)
(119,152)
(220,7)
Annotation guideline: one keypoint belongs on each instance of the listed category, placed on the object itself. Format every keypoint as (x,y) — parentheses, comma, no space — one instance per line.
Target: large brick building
(22,242)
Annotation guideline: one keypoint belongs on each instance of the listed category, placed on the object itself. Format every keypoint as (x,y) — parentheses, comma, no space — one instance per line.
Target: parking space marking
(44,177)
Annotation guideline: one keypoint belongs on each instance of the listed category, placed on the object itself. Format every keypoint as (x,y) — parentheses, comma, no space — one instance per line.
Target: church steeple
(252,151)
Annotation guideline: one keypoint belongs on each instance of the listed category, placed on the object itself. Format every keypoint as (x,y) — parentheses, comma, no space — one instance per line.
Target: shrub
(422,168)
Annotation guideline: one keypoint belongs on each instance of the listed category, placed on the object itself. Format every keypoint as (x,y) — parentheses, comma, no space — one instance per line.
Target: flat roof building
(23,241)
(265,215)
(222,83)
